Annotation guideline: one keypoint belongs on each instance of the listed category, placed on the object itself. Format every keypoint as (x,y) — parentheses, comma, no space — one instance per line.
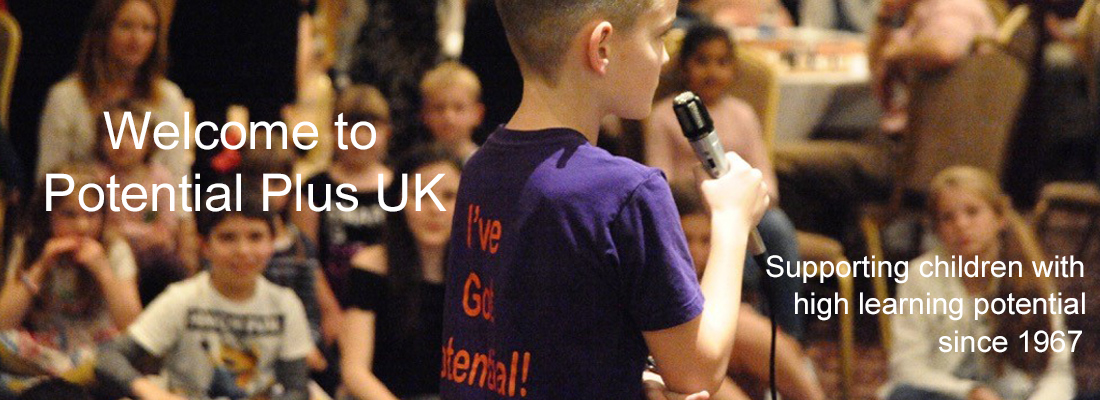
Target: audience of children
(371,281)
(69,287)
(123,56)
(452,107)
(973,218)
(706,62)
(389,346)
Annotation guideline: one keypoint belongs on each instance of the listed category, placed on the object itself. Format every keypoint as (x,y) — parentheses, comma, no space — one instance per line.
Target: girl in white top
(973,218)
(122,57)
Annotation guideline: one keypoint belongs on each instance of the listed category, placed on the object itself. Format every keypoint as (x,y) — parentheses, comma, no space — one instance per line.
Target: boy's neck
(235,292)
(545,107)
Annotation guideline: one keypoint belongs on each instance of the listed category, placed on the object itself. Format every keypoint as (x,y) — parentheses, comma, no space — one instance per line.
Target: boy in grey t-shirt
(225,333)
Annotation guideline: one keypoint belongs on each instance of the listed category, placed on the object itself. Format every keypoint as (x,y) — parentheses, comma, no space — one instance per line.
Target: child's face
(452,113)
(709,71)
(133,34)
(430,226)
(278,203)
(239,248)
(127,154)
(636,61)
(966,223)
(697,231)
(362,136)
(68,219)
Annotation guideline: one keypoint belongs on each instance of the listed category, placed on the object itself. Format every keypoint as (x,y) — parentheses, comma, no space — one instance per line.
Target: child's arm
(120,293)
(694,356)
(21,286)
(291,370)
(155,332)
(357,351)
(115,367)
(332,317)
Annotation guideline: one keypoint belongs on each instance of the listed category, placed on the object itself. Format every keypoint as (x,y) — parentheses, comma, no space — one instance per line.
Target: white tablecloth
(835,92)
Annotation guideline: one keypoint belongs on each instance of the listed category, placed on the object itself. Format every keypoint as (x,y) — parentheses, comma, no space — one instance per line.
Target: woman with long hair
(122,57)
(390,344)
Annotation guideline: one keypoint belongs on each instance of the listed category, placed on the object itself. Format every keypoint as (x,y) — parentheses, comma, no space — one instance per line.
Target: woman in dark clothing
(390,343)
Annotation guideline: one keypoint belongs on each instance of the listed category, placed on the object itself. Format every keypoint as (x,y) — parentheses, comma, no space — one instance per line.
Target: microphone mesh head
(692,115)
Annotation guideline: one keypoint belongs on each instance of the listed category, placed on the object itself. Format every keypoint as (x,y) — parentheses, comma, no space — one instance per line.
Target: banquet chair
(1078,197)
(999,8)
(10,42)
(1088,46)
(960,116)
(757,83)
(1073,197)
(1018,33)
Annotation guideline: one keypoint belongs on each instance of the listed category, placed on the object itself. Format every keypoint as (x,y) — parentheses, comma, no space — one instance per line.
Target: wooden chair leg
(1083,247)
(847,338)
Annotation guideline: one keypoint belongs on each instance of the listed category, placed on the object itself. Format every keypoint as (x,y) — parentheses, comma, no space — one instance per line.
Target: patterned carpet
(871,362)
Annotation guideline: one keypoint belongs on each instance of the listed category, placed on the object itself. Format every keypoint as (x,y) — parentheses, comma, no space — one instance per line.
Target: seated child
(340,234)
(69,286)
(153,235)
(452,107)
(973,218)
(294,264)
(226,332)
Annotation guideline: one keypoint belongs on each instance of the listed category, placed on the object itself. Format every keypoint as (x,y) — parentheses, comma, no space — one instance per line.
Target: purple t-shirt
(561,256)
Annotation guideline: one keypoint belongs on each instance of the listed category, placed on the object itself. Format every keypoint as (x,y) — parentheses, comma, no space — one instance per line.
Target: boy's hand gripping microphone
(699,130)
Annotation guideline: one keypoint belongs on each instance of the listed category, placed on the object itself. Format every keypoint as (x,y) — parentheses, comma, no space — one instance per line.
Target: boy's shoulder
(564,154)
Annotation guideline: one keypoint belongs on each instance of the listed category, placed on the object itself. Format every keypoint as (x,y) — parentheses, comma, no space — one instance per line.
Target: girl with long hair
(973,218)
(390,345)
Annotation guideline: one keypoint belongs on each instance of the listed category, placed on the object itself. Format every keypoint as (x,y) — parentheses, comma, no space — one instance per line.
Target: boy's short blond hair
(450,74)
(363,103)
(539,31)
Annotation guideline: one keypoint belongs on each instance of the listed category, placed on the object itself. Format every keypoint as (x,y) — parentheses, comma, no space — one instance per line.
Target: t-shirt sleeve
(161,323)
(297,342)
(659,279)
(369,289)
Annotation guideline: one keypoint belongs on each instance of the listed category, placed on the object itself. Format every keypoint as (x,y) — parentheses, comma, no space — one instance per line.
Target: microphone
(699,130)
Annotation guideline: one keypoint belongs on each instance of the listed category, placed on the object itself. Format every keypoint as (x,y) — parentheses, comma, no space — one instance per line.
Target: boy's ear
(598,49)
(480,109)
